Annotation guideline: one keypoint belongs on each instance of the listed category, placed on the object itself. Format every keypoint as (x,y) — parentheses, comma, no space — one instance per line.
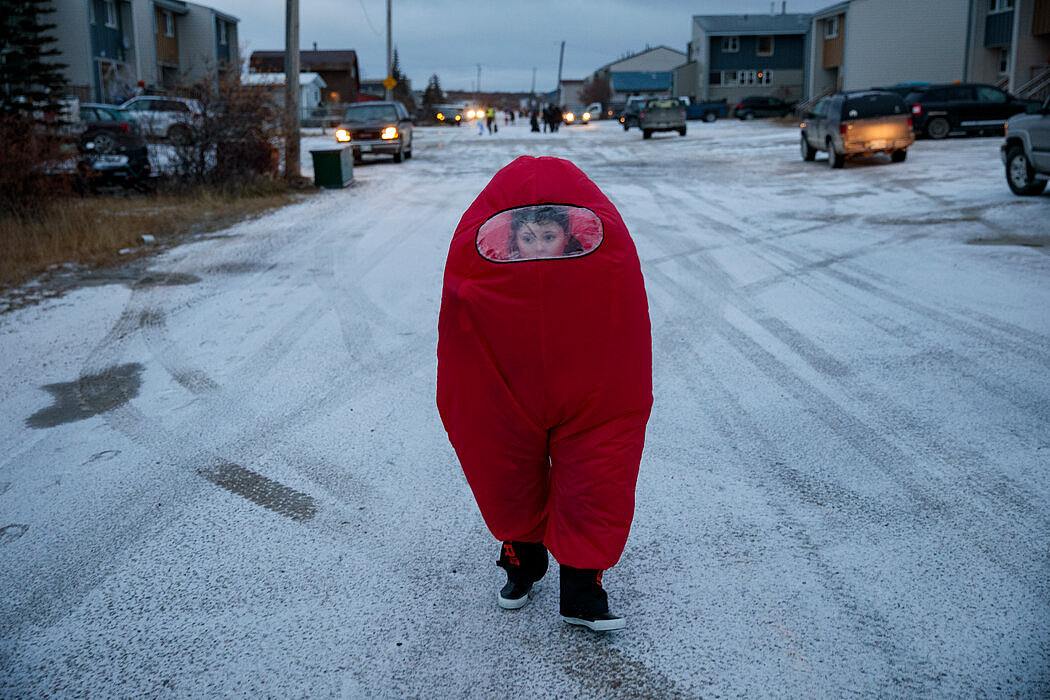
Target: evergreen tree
(433,94)
(28,74)
(401,91)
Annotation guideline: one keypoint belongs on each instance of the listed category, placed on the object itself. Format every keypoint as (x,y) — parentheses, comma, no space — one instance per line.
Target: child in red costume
(545,377)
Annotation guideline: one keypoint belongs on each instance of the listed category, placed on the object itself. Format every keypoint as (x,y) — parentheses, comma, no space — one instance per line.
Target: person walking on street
(544,378)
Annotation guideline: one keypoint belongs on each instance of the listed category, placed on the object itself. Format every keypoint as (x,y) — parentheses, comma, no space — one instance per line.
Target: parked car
(174,118)
(577,114)
(757,106)
(942,109)
(851,124)
(441,115)
(662,114)
(629,115)
(108,129)
(1026,151)
(377,128)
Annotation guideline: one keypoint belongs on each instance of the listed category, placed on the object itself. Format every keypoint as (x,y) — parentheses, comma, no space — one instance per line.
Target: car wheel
(938,128)
(646,134)
(1019,174)
(710,116)
(179,135)
(899,156)
(681,132)
(808,152)
(835,159)
(749,115)
(399,155)
(104,143)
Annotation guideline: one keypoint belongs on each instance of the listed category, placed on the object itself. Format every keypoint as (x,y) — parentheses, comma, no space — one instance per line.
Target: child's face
(545,239)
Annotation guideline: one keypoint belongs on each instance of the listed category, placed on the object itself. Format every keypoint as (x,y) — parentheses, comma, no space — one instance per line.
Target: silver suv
(1026,151)
(857,124)
(174,118)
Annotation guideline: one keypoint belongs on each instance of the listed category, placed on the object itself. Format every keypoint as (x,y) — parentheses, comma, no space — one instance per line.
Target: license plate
(366,149)
(876,145)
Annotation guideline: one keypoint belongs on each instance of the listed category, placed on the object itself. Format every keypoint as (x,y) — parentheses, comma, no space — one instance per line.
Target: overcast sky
(506,39)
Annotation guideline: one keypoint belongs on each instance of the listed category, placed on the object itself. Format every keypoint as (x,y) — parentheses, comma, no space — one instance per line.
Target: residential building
(338,69)
(648,72)
(569,92)
(115,48)
(311,89)
(733,56)
(859,44)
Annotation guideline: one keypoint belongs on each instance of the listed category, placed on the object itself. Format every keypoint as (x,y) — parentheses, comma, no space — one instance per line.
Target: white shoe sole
(512,603)
(597,625)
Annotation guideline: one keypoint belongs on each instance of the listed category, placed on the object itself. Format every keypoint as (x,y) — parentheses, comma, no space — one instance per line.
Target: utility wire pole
(561,59)
(389,52)
(291,89)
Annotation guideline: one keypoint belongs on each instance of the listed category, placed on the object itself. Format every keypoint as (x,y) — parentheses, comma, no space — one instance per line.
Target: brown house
(338,69)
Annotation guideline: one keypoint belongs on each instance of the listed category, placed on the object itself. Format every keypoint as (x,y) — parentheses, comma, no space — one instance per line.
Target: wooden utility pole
(389,52)
(291,89)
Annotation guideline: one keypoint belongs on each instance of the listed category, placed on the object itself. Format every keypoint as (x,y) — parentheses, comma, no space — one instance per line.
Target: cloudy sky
(508,40)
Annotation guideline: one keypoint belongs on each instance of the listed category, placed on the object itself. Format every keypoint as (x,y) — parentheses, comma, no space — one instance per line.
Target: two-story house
(648,72)
(113,47)
(733,56)
(859,44)
(337,68)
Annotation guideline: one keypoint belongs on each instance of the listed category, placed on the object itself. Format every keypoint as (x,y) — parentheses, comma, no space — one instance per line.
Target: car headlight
(569,116)
(441,117)
(586,116)
(342,135)
(389,133)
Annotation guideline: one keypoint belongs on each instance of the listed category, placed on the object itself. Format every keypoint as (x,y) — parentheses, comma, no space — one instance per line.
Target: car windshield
(369,113)
(877,105)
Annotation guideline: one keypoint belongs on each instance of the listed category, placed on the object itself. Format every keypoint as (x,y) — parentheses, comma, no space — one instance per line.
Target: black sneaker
(525,563)
(604,622)
(584,602)
(513,595)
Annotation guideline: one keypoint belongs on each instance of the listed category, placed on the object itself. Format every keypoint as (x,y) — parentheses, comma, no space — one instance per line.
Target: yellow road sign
(389,83)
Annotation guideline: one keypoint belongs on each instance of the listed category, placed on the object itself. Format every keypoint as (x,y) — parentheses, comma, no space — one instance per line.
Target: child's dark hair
(537,215)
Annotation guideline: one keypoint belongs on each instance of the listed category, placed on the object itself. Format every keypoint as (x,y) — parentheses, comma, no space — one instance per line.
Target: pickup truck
(662,114)
(1026,151)
(708,111)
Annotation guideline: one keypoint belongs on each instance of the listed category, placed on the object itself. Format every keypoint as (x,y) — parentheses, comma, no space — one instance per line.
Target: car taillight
(125,127)
(911,124)
(916,109)
(843,128)
(641,115)
(739,106)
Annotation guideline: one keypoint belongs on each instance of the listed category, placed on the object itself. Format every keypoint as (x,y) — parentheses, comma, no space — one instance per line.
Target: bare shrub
(236,143)
(30,157)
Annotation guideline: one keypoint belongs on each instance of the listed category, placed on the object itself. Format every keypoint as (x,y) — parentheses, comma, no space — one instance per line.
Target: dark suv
(377,127)
(940,110)
(761,106)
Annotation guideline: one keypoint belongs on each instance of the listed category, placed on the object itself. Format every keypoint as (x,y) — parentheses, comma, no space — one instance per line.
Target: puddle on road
(165,279)
(88,396)
(1028,241)
(10,533)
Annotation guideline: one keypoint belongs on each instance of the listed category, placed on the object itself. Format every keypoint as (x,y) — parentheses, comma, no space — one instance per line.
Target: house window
(169,23)
(730,44)
(223,37)
(1004,60)
(111,12)
(765,46)
(831,28)
(1000,5)
(752,77)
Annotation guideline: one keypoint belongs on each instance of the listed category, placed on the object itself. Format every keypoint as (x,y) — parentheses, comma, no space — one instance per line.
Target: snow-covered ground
(226,476)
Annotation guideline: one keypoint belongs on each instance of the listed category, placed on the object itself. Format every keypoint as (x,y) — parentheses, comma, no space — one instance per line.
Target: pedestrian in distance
(545,378)
(534,122)
(490,118)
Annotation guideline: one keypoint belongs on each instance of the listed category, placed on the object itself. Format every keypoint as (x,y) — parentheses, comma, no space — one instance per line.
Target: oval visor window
(539,232)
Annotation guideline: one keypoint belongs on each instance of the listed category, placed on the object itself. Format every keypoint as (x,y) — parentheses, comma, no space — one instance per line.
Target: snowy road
(226,476)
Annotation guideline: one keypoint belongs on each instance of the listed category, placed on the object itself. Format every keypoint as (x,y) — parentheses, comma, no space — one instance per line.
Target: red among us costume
(545,373)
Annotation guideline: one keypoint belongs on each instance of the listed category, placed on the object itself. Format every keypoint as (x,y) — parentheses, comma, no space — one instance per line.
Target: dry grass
(92,231)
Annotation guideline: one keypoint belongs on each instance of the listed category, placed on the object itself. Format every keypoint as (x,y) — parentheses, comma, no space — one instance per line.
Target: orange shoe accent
(599,577)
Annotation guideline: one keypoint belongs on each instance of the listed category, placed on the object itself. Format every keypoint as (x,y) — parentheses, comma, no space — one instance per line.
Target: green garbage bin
(333,166)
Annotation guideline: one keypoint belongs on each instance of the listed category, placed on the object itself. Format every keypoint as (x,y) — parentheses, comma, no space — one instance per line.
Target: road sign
(389,83)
